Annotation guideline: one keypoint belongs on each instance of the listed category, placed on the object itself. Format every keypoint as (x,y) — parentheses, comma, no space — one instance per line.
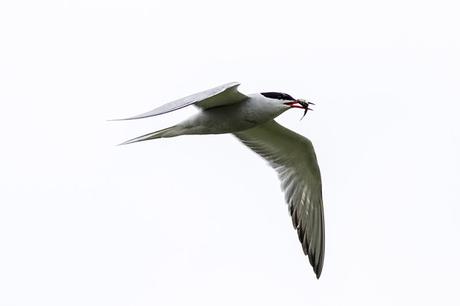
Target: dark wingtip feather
(318,268)
(316,263)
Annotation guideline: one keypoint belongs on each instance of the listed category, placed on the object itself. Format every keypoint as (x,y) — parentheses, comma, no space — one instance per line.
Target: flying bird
(250,118)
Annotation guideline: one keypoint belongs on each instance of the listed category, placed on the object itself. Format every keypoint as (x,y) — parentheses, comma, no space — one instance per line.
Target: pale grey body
(253,111)
(250,119)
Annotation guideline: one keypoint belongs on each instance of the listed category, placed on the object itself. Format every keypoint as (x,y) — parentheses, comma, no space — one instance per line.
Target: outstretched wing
(214,97)
(293,157)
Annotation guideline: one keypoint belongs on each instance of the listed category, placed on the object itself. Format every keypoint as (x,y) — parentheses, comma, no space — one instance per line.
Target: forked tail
(167,132)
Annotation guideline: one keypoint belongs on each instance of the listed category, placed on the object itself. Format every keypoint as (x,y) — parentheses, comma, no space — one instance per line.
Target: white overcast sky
(201,220)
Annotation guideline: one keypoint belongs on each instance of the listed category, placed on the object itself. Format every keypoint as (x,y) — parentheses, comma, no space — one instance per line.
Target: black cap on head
(277,95)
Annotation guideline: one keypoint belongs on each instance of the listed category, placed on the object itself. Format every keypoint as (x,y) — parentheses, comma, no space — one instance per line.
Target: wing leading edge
(214,97)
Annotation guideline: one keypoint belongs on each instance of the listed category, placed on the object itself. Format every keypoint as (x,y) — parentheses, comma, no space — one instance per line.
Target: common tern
(250,118)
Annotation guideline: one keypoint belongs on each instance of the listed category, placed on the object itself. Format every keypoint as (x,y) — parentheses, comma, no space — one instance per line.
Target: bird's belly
(225,124)
(225,119)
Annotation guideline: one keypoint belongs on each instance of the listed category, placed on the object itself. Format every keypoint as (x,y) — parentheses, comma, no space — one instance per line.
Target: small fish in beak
(302,104)
(305,105)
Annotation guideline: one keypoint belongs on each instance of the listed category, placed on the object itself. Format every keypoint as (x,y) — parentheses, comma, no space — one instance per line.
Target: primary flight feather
(250,118)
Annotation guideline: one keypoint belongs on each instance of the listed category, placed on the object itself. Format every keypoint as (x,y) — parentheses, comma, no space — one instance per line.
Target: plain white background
(201,220)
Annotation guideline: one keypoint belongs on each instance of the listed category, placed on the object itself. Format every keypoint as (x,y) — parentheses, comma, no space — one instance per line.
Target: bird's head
(289,101)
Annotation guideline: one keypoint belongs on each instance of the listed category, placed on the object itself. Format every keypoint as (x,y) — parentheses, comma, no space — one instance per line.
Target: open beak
(302,104)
